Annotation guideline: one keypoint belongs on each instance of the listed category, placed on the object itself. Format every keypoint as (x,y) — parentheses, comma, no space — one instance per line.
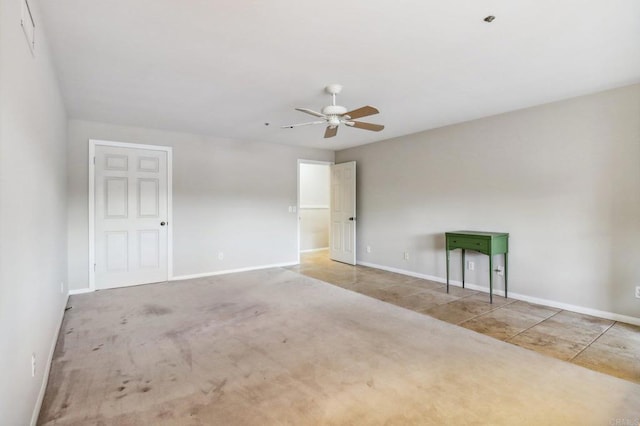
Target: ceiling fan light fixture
(334,121)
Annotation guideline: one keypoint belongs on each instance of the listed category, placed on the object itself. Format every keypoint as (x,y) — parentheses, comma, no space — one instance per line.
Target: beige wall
(32,214)
(314,229)
(563,179)
(228,196)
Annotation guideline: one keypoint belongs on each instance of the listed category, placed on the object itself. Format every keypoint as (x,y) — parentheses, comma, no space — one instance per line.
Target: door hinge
(94,267)
(94,160)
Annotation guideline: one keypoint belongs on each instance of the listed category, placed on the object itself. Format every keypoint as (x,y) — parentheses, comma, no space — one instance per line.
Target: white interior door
(343,212)
(131,211)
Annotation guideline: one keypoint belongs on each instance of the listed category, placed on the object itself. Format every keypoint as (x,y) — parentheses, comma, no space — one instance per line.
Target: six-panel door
(130,216)
(343,211)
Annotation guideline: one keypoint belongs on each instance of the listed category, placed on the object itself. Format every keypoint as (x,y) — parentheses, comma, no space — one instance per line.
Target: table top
(478,233)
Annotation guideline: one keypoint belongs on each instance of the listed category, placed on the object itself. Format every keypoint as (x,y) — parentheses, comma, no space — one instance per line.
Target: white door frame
(300,161)
(92,177)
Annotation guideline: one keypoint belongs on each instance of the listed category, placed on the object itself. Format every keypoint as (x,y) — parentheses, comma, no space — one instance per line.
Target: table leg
(490,279)
(447,270)
(463,261)
(506,273)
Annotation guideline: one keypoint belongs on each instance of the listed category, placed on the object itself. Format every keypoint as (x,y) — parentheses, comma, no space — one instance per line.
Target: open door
(131,214)
(343,212)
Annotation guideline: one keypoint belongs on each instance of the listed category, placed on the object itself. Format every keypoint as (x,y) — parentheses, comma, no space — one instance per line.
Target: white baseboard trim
(47,369)
(315,249)
(525,298)
(232,271)
(205,274)
(80,291)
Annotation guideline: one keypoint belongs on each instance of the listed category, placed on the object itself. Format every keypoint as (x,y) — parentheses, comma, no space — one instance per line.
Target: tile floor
(599,344)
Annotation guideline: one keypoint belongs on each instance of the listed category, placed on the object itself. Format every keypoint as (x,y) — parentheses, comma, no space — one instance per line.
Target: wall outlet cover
(638,292)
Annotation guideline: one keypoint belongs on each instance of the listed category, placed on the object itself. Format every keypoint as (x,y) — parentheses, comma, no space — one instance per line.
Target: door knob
(163,223)
(352,218)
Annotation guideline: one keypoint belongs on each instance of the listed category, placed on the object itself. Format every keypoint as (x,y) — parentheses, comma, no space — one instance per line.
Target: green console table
(489,243)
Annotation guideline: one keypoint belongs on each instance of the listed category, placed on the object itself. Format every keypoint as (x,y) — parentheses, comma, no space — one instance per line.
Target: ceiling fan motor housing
(334,110)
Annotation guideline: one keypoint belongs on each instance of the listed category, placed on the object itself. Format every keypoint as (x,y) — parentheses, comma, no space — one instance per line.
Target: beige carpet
(275,348)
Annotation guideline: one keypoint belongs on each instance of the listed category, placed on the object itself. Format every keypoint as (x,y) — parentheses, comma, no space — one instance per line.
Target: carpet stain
(156,310)
(220,306)
(57,414)
(183,346)
(130,354)
(216,390)
(165,415)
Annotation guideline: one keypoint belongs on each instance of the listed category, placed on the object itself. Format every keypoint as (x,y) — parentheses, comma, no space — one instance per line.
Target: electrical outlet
(500,270)
(638,292)
(33,364)
(220,255)
(290,209)
(406,255)
(368,249)
(471,265)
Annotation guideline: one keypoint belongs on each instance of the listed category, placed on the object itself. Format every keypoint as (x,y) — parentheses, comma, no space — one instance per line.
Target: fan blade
(365,126)
(330,132)
(310,111)
(362,112)
(291,126)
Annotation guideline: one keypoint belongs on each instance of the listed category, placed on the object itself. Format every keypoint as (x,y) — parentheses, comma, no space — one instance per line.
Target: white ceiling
(227,67)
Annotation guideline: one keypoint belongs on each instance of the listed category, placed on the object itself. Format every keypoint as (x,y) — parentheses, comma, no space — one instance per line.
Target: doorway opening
(313,206)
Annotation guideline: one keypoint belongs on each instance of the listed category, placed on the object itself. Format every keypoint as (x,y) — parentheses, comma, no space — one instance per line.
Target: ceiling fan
(334,115)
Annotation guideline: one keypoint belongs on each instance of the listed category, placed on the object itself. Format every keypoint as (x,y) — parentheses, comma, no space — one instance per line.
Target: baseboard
(525,298)
(403,272)
(80,291)
(315,249)
(205,274)
(47,369)
(232,271)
